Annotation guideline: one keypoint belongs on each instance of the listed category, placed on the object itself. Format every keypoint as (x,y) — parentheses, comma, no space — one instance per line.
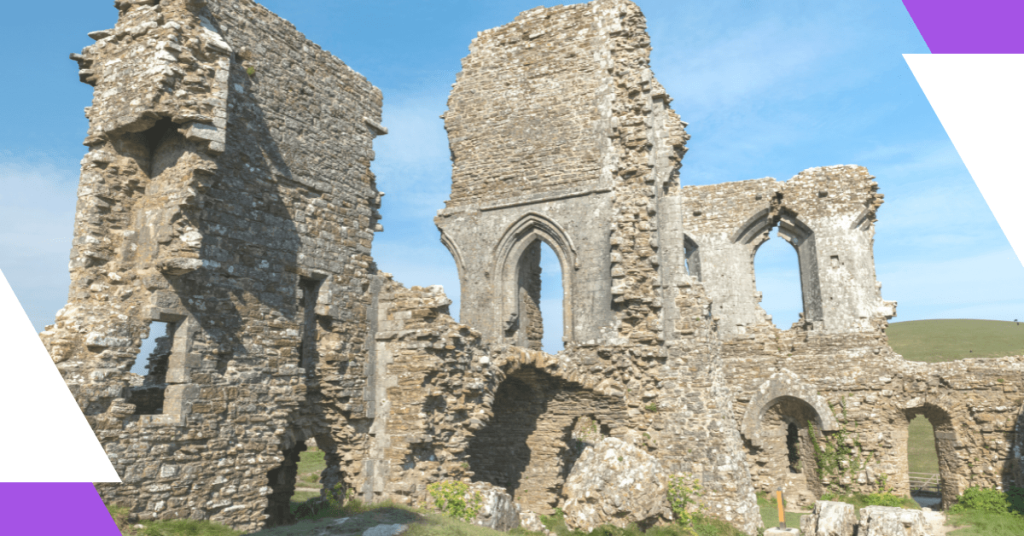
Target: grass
(921,446)
(988,512)
(936,341)
(770,512)
(979,523)
(178,527)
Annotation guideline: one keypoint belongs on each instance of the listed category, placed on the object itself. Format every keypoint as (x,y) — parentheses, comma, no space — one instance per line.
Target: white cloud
(37,213)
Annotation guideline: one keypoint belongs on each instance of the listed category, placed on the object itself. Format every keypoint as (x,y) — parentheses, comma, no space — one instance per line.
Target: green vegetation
(682,494)
(935,341)
(988,512)
(770,511)
(921,446)
(450,498)
(180,527)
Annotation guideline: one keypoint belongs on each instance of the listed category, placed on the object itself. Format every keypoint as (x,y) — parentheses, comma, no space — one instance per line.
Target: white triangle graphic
(45,436)
(979,99)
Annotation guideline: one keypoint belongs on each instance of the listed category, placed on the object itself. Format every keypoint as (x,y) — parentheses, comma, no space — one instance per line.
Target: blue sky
(769,89)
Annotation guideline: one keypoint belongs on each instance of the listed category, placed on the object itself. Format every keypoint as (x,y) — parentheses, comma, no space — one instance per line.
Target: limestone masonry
(226,209)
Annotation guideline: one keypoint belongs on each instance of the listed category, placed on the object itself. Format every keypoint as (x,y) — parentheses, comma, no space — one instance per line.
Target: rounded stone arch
(937,412)
(516,239)
(781,386)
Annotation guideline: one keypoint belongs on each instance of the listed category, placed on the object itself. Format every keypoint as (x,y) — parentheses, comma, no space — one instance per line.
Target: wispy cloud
(37,213)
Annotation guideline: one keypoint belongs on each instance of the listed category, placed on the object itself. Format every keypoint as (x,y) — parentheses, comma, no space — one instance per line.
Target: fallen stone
(889,521)
(385,530)
(531,522)
(498,511)
(829,518)
(781,532)
(614,483)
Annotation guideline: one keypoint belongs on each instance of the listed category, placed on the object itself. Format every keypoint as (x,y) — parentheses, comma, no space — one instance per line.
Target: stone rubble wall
(226,192)
(227,199)
(454,408)
(630,314)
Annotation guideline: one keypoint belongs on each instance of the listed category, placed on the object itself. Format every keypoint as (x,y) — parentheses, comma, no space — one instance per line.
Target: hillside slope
(935,341)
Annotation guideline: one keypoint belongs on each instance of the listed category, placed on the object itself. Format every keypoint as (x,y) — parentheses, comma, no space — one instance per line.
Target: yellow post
(782,512)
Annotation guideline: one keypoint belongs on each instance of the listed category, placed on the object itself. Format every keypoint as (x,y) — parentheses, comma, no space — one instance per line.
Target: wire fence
(925,482)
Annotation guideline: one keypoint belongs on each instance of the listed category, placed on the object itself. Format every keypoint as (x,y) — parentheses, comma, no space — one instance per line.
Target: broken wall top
(532,112)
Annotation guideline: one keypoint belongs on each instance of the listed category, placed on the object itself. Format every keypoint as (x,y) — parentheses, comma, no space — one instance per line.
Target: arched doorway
(539,427)
(944,461)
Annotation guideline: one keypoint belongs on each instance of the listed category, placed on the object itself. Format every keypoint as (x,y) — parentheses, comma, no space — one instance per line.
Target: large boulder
(616,483)
(829,519)
(498,511)
(888,521)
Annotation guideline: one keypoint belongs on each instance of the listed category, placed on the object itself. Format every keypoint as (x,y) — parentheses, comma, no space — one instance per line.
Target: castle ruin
(226,204)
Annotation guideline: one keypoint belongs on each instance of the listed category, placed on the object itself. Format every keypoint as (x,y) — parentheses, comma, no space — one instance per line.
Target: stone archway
(527,446)
(777,425)
(945,448)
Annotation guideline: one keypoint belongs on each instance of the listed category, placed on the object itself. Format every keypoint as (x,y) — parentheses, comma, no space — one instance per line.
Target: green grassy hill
(935,341)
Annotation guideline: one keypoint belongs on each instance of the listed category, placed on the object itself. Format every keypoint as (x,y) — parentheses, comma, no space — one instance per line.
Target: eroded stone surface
(829,518)
(615,483)
(886,521)
(226,205)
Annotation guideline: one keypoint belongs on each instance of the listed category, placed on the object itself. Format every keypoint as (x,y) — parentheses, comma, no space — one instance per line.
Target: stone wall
(582,153)
(226,206)
(227,193)
(832,374)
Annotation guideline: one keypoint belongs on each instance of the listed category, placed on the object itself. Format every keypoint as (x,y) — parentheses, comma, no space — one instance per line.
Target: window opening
(777,276)
(692,258)
(793,448)
(309,289)
(552,300)
(148,387)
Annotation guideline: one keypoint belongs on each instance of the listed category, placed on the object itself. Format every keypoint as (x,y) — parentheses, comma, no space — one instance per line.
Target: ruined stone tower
(227,209)
(226,200)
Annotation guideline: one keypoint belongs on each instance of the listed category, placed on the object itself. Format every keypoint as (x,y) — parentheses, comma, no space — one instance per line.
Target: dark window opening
(147,391)
(309,289)
(793,448)
(282,486)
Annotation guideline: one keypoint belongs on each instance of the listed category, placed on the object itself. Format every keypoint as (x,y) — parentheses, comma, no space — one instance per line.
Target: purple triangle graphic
(969,26)
(47,509)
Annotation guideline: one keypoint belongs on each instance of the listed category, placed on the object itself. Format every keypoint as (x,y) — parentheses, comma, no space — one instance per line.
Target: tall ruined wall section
(560,133)
(226,198)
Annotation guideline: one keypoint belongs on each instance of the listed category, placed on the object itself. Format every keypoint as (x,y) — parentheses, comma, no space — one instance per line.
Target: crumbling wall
(226,192)
(454,408)
(560,133)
